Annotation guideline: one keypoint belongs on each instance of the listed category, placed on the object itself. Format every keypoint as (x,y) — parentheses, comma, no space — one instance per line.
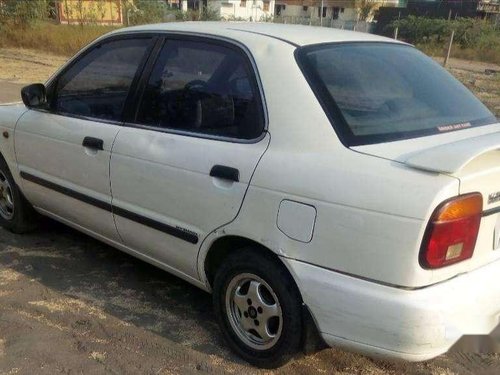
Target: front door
(181,167)
(63,152)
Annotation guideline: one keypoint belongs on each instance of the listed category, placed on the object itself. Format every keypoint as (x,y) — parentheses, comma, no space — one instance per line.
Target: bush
(58,39)
(476,39)
(145,11)
(22,13)
(38,33)
(154,11)
(206,14)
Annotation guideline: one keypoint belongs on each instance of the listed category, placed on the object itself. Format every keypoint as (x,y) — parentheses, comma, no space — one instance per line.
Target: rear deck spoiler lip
(450,158)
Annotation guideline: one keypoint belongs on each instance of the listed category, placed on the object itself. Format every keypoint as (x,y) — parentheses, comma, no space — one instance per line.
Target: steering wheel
(196,85)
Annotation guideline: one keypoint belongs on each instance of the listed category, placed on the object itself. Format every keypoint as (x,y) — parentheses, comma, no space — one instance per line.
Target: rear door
(64,152)
(181,167)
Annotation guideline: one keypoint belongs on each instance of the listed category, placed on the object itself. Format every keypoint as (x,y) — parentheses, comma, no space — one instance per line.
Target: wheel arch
(7,153)
(13,169)
(222,247)
(7,163)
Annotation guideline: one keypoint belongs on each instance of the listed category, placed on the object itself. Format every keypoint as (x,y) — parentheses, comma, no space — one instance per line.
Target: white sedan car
(310,178)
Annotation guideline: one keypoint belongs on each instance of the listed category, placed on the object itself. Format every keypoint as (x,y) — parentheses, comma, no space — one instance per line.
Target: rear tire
(258,308)
(16,214)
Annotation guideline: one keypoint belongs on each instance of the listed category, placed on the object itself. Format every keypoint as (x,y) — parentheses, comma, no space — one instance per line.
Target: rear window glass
(380,92)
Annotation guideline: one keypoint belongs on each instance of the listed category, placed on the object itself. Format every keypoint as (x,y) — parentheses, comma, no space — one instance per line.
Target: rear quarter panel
(371,214)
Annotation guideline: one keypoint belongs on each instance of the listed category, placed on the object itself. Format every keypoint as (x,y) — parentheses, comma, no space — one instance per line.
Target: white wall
(254,10)
(349,14)
(296,11)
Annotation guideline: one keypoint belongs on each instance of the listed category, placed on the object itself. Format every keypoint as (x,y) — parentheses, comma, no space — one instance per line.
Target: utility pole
(447,57)
(321,14)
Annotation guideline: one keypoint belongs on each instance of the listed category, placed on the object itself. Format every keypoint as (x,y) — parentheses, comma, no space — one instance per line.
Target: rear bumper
(413,325)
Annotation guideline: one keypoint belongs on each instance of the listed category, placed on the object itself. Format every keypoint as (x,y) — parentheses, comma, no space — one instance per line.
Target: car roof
(297,35)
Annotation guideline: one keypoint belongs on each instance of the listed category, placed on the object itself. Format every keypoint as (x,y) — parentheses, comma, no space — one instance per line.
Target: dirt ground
(27,66)
(71,305)
(481,78)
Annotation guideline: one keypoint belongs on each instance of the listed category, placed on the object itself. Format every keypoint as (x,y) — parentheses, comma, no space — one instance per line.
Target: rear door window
(378,92)
(204,88)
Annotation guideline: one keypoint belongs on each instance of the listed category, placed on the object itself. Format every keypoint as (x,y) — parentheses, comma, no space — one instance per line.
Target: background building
(106,12)
(306,11)
(346,14)
(230,9)
(247,10)
(251,10)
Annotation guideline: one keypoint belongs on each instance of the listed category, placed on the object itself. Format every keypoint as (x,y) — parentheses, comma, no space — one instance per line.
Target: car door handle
(93,143)
(227,173)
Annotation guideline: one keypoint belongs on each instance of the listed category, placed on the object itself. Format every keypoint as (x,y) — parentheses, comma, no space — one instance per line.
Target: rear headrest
(215,111)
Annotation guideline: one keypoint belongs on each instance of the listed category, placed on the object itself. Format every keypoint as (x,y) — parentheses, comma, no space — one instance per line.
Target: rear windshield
(380,92)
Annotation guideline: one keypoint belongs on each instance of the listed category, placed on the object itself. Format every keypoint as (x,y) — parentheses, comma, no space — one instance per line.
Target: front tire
(16,214)
(258,308)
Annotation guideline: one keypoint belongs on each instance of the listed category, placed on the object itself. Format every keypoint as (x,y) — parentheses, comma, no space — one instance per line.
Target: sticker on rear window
(446,128)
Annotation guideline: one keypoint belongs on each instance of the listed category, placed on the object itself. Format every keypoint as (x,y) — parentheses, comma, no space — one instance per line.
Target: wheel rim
(254,311)
(6,198)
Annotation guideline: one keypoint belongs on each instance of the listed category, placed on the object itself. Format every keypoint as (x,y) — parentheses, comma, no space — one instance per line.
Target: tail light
(452,231)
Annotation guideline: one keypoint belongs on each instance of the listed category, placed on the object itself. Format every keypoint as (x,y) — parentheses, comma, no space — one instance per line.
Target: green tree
(146,11)
(365,8)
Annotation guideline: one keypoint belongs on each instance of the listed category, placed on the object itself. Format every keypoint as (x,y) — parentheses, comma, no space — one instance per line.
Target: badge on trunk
(496,235)
(494,197)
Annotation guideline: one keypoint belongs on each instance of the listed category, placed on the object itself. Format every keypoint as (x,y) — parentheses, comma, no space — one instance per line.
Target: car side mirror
(34,96)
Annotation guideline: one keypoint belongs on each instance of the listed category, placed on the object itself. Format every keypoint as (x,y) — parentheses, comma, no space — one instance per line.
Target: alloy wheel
(254,311)
(6,198)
